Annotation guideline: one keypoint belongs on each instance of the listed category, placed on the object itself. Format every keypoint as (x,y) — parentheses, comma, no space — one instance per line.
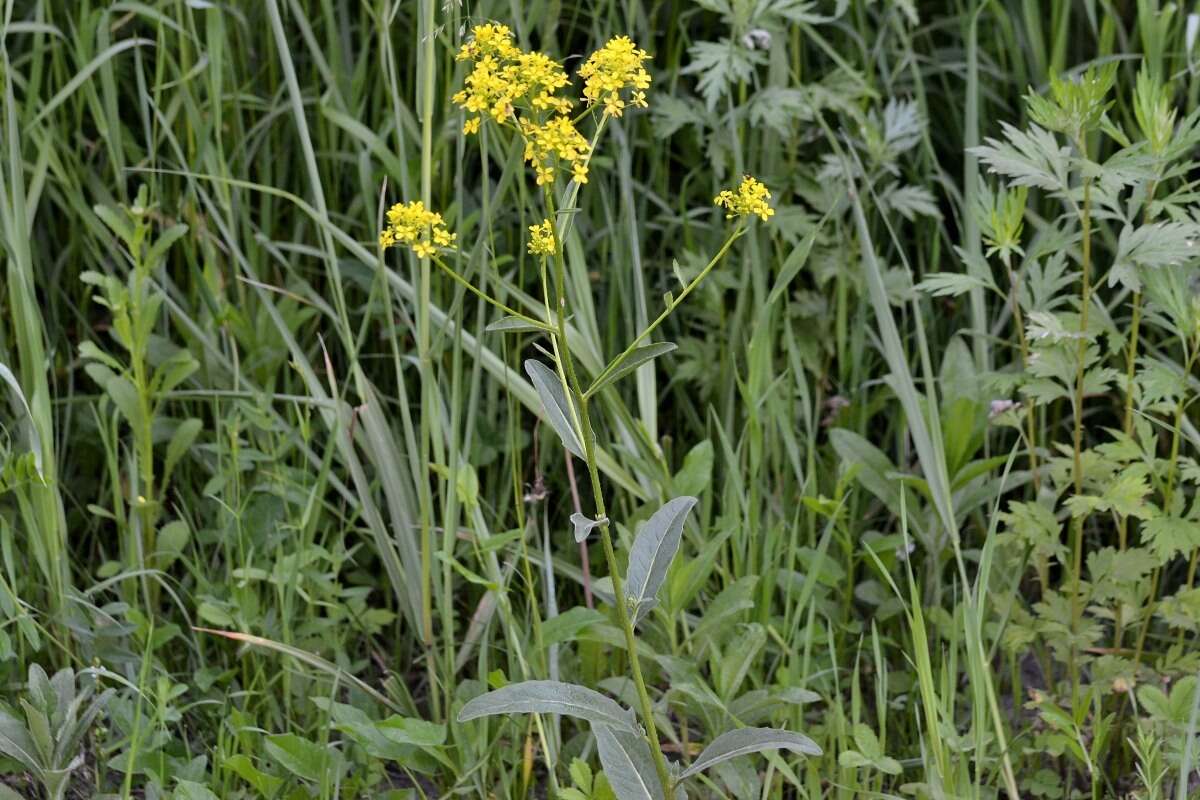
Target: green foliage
(910,467)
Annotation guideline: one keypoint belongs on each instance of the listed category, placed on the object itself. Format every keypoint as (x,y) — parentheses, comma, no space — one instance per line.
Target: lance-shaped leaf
(653,550)
(584,525)
(511,325)
(554,401)
(627,764)
(743,741)
(640,355)
(550,697)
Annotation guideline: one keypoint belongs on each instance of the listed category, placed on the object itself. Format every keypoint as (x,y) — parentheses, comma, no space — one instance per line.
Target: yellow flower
(613,69)
(415,227)
(552,143)
(505,77)
(541,241)
(521,88)
(750,198)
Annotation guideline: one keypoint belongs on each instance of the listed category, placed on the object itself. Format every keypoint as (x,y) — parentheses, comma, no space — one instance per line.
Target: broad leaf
(653,550)
(550,697)
(743,741)
(627,764)
(304,759)
(639,356)
(554,401)
(190,790)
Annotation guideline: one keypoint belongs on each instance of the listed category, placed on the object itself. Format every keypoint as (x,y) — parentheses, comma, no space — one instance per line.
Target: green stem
(1081,355)
(585,425)
(616,362)
(424,356)
(488,298)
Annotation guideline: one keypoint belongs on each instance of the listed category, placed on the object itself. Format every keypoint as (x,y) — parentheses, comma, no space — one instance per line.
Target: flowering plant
(526,94)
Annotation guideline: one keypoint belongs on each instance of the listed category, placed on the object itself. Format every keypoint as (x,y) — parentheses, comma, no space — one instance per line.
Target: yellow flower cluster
(750,198)
(505,77)
(414,226)
(555,141)
(521,88)
(612,69)
(541,238)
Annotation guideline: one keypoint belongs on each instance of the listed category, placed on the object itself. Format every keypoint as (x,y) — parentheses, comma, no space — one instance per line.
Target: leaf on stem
(584,525)
(627,764)
(744,741)
(640,355)
(550,697)
(652,552)
(511,324)
(554,401)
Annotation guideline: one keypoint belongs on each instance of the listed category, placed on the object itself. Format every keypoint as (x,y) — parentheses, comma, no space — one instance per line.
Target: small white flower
(998,407)
(757,39)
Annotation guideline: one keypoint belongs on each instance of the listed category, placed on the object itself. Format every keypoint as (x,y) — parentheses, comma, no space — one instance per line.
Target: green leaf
(1169,536)
(181,442)
(639,356)
(744,741)
(696,473)
(739,657)
(568,625)
(304,759)
(583,525)
(125,397)
(1027,159)
(554,401)
(164,242)
(511,325)
(174,371)
(172,538)
(721,65)
(581,774)
(952,284)
(189,790)
(628,764)
(652,552)
(16,743)
(408,730)
(1158,244)
(264,784)
(550,697)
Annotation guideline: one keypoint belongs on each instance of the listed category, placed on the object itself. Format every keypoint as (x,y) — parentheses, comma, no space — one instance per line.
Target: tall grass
(358,488)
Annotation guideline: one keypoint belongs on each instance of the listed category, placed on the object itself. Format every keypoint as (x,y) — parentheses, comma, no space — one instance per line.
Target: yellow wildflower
(471,126)
(613,69)
(414,226)
(505,77)
(489,40)
(552,143)
(750,198)
(541,241)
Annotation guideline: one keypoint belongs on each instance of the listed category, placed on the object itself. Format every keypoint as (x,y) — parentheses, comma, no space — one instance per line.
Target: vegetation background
(937,412)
